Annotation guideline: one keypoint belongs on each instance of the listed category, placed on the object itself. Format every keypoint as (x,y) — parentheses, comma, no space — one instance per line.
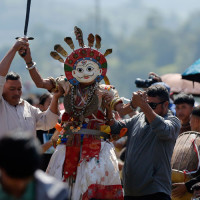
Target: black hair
(20,154)
(43,98)
(13,76)
(184,98)
(158,91)
(196,186)
(29,100)
(196,111)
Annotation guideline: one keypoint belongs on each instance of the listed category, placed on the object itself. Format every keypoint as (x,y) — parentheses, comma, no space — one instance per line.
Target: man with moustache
(151,138)
(16,113)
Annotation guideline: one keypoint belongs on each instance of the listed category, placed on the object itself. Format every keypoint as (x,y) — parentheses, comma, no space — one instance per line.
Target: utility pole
(97,17)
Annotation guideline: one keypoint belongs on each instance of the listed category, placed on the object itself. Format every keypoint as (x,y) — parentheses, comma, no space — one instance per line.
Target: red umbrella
(177,84)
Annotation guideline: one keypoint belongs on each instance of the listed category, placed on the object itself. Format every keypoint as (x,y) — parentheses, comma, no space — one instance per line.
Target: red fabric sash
(108,192)
(90,148)
(71,161)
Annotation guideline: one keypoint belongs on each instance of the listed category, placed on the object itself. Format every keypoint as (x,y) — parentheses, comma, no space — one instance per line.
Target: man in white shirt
(16,113)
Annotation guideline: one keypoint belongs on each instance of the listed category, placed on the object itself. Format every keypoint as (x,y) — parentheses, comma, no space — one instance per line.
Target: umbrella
(177,84)
(192,73)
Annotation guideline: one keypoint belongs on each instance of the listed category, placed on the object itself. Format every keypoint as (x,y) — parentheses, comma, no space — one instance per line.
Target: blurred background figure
(184,105)
(196,191)
(33,99)
(48,138)
(181,188)
(20,157)
(195,119)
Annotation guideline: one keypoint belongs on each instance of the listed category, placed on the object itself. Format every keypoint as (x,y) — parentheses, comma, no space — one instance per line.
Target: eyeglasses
(154,105)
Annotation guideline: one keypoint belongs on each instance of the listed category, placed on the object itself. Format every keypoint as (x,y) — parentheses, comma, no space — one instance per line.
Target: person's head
(196,191)
(45,101)
(195,119)
(20,157)
(158,99)
(184,105)
(12,90)
(171,104)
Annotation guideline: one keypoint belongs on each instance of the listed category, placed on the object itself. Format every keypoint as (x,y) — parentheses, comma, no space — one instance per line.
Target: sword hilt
(29,38)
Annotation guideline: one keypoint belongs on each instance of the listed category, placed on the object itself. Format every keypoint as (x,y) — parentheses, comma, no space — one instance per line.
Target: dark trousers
(156,196)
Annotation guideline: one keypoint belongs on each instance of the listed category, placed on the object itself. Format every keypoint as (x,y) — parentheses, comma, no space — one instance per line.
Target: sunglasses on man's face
(154,105)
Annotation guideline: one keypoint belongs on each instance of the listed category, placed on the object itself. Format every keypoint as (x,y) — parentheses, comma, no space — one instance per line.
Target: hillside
(160,36)
(62,15)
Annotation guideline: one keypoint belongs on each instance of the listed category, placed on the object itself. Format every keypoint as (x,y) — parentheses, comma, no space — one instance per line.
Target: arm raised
(8,58)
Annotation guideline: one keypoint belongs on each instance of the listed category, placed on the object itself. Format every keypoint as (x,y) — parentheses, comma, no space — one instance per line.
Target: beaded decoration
(82,54)
(89,98)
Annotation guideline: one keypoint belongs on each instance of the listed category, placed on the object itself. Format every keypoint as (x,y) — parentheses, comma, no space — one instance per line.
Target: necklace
(81,112)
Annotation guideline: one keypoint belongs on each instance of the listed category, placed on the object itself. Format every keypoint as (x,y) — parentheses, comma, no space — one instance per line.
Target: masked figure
(84,157)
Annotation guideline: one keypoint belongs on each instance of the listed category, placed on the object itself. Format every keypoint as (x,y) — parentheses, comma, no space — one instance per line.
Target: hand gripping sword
(26,24)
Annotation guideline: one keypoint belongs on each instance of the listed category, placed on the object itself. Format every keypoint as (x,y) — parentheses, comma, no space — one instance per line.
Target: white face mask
(86,71)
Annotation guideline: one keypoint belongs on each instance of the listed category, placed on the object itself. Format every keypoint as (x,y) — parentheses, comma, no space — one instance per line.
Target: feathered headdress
(84,53)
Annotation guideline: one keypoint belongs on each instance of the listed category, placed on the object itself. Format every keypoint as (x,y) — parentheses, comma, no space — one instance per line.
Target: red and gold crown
(83,53)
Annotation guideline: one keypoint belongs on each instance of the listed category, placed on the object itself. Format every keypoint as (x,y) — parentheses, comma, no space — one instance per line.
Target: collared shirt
(147,168)
(24,116)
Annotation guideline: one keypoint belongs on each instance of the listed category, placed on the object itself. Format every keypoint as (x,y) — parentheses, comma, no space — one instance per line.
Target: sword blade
(27,17)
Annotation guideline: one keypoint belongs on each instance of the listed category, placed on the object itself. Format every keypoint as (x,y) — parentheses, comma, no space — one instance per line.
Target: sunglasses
(154,105)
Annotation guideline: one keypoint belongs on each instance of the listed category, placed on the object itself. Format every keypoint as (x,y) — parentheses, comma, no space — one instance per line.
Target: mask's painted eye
(90,68)
(80,70)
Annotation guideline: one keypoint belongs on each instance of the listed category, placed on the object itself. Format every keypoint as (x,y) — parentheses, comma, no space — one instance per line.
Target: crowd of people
(78,160)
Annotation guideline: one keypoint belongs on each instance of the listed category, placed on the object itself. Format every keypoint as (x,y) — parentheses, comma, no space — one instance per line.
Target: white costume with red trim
(85,158)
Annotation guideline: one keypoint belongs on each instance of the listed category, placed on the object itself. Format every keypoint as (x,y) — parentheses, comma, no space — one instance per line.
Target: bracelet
(30,63)
(132,108)
(114,102)
(33,66)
